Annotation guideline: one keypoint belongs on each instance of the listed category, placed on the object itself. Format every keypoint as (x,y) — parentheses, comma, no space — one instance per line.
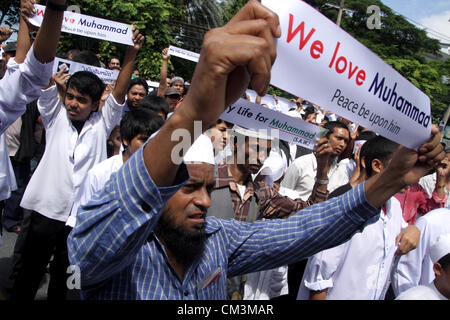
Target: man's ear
(377,165)
(437,268)
(124,143)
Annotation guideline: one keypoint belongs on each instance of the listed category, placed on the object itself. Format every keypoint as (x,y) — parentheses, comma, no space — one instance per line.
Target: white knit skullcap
(440,248)
(202,150)
(260,134)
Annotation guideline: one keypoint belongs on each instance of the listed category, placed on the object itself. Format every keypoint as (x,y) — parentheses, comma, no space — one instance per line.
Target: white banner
(256,117)
(107,76)
(184,54)
(88,26)
(320,62)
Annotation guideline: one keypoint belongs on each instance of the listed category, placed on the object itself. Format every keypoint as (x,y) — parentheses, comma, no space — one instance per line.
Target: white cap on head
(274,167)
(260,134)
(202,150)
(440,248)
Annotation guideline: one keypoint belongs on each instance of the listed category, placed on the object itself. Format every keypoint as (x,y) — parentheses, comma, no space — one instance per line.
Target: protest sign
(320,62)
(255,117)
(107,76)
(182,53)
(88,26)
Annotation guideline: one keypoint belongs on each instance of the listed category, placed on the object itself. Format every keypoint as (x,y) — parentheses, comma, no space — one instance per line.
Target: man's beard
(186,246)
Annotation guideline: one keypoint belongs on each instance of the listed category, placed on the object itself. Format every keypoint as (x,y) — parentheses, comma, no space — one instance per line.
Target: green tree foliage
(150,16)
(9,12)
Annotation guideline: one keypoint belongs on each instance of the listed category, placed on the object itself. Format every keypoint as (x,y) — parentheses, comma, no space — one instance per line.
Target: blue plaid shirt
(120,257)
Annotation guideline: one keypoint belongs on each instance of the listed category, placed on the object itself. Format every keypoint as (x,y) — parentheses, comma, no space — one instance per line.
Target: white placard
(106,75)
(88,26)
(252,116)
(320,62)
(184,54)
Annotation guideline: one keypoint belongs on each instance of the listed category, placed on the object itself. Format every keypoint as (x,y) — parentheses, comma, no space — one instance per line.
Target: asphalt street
(6,253)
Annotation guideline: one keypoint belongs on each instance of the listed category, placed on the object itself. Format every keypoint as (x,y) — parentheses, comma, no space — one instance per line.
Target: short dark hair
(139,121)
(113,57)
(87,83)
(140,82)
(87,57)
(334,124)
(377,148)
(219,121)
(154,103)
(308,111)
(73,52)
(445,261)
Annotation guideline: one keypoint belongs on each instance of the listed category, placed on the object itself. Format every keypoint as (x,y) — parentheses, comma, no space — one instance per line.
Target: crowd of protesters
(116,181)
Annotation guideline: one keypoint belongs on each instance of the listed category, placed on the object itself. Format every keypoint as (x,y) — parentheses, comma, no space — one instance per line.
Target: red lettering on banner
(300,28)
(316,49)
(341,66)
(39,12)
(338,63)
(70,20)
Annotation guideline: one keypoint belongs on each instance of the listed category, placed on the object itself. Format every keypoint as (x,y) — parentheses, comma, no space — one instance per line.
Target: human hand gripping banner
(88,26)
(320,62)
(106,75)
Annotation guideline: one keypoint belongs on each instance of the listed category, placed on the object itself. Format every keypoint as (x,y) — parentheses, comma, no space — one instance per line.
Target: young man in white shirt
(135,128)
(300,176)
(416,267)
(439,288)
(360,268)
(76,135)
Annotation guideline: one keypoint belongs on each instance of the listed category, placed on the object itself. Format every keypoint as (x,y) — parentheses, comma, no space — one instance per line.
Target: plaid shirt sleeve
(273,205)
(113,226)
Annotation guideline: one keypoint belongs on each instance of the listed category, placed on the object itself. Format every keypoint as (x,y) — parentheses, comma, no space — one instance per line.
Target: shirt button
(186,293)
(146,207)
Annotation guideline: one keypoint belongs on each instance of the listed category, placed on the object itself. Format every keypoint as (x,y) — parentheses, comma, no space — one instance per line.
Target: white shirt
(416,268)
(95,180)
(295,114)
(7,177)
(266,285)
(21,85)
(300,176)
(12,135)
(345,170)
(68,155)
(359,268)
(424,292)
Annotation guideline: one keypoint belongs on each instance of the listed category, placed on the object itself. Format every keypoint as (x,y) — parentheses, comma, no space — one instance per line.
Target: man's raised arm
(22,86)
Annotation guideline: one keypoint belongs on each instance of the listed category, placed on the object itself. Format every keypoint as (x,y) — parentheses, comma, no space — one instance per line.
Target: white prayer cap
(202,150)
(260,134)
(274,166)
(440,248)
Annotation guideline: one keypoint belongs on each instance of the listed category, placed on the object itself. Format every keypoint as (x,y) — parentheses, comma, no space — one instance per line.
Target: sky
(433,14)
